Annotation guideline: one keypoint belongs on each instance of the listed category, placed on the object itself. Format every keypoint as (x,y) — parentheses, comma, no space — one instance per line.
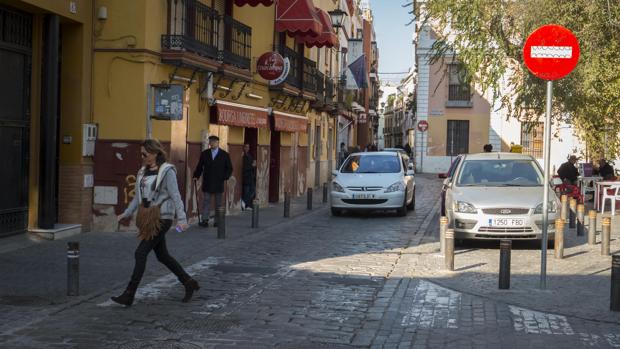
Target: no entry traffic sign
(422,125)
(551,52)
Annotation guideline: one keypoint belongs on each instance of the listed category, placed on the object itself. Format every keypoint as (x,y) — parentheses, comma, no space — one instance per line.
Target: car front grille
(364,201)
(365,188)
(505,230)
(506,211)
(511,237)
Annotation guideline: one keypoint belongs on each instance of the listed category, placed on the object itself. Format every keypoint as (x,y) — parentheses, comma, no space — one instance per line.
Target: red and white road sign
(551,52)
(422,125)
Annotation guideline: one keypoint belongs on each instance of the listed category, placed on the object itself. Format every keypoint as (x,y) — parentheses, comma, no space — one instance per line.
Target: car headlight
(464,207)
(553,207)
(337,187)
(398,186)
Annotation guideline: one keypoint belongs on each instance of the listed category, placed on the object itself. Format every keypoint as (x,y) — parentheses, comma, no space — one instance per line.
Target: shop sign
(237,115)
(362,118)
(293,123)
(270,65)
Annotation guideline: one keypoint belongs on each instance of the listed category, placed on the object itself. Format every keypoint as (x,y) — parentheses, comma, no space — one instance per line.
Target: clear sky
(393,37)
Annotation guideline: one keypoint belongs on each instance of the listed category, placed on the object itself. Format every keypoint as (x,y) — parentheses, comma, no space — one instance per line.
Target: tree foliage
(488,36)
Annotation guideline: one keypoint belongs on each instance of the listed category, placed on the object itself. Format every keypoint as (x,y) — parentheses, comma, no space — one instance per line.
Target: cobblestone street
(315,281)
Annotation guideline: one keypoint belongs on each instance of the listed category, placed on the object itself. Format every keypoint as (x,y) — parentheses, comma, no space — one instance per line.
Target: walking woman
(157,200)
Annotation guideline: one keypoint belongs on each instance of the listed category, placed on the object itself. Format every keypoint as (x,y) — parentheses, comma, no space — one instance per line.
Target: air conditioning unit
(88,139)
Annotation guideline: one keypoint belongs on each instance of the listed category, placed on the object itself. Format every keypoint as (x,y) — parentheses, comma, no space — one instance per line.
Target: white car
(373,181)
(498,196)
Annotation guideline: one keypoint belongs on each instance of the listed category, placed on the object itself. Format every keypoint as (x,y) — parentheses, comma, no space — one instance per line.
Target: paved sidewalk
(577,285)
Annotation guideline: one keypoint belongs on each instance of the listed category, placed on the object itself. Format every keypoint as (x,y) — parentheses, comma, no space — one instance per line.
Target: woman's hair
(153,146)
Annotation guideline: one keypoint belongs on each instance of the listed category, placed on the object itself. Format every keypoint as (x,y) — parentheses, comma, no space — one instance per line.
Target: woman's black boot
(191,286)
(126,298)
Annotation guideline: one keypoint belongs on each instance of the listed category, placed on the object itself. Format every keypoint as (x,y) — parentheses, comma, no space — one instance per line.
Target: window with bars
(457,137)
(532,138)
(459,89)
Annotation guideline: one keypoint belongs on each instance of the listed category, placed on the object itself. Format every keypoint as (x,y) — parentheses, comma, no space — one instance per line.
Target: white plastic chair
(615,196)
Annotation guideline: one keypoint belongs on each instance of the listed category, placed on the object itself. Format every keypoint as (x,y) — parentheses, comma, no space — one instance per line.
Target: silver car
(498,196)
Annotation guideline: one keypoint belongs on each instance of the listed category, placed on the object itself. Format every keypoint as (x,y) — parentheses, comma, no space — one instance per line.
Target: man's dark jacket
(248,169)
(214,171)
(568,171)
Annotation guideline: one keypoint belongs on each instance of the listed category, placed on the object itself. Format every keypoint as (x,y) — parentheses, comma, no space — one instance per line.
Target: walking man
(215,167)
(343,154)
(249,178)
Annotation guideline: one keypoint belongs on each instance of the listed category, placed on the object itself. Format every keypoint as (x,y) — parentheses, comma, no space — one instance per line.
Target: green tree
(488,37)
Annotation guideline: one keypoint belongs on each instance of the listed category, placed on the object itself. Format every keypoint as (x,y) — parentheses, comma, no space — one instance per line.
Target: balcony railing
(310,76)
(193,27)
(294,76)
(237,43)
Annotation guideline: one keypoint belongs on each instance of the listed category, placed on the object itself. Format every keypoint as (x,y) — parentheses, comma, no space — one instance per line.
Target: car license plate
(363,196)
(507,222)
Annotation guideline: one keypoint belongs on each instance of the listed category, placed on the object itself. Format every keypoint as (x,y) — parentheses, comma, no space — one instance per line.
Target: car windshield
(371,164)
(500,173)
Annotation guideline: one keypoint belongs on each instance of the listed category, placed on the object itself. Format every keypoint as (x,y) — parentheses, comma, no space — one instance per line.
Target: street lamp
(337,17)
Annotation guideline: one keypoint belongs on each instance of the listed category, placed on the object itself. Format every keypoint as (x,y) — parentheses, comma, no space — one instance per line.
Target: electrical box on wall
(88,139)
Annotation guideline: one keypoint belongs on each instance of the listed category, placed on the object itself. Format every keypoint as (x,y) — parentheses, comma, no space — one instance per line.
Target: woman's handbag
(148,220)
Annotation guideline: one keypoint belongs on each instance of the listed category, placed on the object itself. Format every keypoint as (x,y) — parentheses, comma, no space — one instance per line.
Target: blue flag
(358,70)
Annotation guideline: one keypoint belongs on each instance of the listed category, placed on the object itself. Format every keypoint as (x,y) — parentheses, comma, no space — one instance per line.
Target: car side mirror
(410,172)
(335,173)
(442,175)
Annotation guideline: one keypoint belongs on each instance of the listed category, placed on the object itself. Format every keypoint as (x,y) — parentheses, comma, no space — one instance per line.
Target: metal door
(458,137)
(15,55)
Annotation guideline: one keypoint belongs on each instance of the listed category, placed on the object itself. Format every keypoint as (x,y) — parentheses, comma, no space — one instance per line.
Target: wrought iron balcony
(237,50)
(294,75)
(192,27)
(310,76)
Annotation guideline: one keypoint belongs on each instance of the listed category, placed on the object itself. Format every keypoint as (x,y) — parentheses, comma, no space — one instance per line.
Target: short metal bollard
(324,193)
(73,269)
(443,226)
(449,256)
(287,205)
(592,227)
(564,208)
(255,211)
(309,198)
(221,222)
(605,236)
(572,213)
(581,210)
(558,243)
(615,283)
(504,264)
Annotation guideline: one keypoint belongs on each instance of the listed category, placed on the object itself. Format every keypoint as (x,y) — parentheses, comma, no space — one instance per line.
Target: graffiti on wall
(262,175)
(129,189)
(231,185)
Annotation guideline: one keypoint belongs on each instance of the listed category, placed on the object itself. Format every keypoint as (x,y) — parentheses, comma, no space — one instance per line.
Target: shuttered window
(532,135)
(457,138)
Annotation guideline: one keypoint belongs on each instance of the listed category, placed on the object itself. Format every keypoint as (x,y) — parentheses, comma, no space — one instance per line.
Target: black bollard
(309,198)
(255,211)
(504,264)
(572,212)
(449,256)
(581,220)
(324,193)
(592,227)
(558,243)
(73,269)
(221,222)
(615,283)
(287,205)
(605,236)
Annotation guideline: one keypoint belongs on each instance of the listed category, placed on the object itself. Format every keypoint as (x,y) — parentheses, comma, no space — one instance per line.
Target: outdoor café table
(583,184)
(600,186)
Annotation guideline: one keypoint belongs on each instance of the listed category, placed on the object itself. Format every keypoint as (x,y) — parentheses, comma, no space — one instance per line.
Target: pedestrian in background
(605,170)
(488,148)
(343,154)
(157,200)
(567,172)
(408,149)
(215,167)
(249,178)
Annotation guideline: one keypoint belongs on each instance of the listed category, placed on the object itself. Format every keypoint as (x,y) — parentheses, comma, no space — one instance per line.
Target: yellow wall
(59,7)
(264,137)
(286,139)
(235,135)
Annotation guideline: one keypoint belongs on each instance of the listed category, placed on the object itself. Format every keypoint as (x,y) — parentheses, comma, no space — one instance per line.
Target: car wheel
(402,212)
(411,205)
(336,212)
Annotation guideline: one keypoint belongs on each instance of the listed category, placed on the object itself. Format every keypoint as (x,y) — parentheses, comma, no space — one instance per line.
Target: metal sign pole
(547,160)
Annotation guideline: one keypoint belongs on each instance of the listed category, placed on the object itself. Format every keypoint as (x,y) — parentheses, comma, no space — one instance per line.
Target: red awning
(254,2)
(233,114)
(289,122)
(326,37)
(297,17)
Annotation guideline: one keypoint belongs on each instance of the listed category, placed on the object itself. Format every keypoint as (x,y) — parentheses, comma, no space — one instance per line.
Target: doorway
(274,167)
(250,137)
(14,120)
